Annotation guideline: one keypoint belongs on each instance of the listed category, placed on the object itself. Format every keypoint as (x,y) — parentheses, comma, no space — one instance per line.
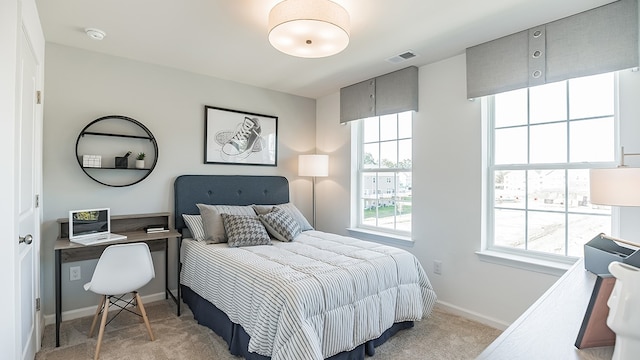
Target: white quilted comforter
(312,298)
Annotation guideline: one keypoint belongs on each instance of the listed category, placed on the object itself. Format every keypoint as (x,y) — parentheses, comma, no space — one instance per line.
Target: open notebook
(93,226)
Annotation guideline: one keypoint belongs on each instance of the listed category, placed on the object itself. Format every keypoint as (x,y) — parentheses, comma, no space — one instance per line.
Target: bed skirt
(210,316)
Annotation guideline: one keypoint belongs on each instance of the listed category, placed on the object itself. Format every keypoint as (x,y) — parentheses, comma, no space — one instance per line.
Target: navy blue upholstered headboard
(190,190)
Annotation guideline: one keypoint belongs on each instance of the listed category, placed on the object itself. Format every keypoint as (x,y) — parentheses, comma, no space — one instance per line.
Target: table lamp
(314,166)
(621,187)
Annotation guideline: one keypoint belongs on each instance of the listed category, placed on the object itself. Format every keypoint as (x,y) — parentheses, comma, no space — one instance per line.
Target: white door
(27,212)
(28,172)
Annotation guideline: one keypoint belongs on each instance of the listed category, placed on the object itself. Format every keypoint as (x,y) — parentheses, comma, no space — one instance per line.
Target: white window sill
(380,237)
(524,262)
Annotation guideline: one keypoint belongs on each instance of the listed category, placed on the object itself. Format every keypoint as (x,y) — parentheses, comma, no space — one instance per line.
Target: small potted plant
(140,160)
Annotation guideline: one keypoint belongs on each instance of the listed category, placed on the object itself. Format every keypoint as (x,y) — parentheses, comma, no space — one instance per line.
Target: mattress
(311,298)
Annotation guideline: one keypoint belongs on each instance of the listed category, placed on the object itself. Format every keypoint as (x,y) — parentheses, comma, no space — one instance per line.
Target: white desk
(549,328)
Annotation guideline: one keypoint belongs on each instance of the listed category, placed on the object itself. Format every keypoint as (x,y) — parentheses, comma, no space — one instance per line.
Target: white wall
(83,86)
(447,190)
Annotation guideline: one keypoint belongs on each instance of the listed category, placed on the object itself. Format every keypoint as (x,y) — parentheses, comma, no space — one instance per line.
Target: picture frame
(235,137)
(594,331)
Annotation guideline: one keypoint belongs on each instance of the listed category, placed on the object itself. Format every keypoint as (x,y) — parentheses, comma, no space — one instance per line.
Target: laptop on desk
(92,226)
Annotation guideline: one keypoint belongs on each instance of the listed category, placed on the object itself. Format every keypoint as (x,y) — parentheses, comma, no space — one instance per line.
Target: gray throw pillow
(289,208)
(245,230)
(280,224)
(213,226)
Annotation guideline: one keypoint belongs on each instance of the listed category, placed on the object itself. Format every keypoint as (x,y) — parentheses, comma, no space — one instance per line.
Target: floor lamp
(314,166)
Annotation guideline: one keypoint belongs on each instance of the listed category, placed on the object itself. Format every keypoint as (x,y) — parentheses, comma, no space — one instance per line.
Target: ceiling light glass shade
(615,187)
(309,28)
(313,165)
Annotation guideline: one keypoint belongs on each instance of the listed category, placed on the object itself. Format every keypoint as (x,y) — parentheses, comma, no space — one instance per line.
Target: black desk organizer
(600,251)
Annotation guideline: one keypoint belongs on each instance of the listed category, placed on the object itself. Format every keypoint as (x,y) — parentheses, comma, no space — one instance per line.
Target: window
(384,173)
(543,141)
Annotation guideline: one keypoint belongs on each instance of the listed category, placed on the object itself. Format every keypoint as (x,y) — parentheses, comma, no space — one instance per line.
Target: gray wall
(81,86)
(448,189)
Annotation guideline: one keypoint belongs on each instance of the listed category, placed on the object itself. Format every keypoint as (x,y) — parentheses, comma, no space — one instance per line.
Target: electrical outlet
(74,273)
(437,267)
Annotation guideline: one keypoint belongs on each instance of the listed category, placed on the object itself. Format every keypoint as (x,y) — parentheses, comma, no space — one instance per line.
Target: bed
(320,296)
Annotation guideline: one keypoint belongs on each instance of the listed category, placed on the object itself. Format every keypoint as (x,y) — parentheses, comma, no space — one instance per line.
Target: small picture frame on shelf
(240,138)
(91,161)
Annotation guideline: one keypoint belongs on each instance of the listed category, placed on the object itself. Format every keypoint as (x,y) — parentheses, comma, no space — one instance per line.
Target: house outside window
(384,173)
(542,142)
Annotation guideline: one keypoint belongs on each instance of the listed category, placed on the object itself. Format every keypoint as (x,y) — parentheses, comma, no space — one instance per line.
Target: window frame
(538,259)
(360,170)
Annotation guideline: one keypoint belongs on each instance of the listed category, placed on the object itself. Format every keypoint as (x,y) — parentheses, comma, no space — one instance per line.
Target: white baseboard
(472,315)
(91,310)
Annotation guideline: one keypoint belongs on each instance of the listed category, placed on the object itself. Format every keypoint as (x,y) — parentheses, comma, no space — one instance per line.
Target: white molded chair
(121,269)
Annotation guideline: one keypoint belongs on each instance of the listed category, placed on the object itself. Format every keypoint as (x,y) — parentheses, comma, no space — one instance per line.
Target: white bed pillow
(213,226)
(195,226)
(289,208)
(280,224)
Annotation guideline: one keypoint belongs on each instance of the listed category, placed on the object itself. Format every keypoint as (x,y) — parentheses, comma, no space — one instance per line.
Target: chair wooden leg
(95,317)
(103,323)
(144,315)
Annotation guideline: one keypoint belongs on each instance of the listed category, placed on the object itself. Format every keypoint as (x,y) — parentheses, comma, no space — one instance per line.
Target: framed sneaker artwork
(239,138)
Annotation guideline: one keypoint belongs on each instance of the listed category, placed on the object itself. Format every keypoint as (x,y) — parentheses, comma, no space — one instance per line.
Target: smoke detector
(95,34)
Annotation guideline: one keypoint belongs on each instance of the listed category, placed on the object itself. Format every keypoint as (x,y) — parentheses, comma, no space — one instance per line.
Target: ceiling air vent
(409,54)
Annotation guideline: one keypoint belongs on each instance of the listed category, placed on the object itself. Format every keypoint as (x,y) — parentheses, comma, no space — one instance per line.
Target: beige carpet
(443,336)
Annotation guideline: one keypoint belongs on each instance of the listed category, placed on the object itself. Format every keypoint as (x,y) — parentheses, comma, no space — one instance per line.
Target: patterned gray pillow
(289,208)
(245,230)
(280,224)
(195,226)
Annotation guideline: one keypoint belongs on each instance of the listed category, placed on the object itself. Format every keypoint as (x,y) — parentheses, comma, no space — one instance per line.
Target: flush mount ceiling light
(95,34)
(309,28)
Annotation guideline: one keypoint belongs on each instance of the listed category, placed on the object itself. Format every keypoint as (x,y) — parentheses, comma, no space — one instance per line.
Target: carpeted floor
(443,337)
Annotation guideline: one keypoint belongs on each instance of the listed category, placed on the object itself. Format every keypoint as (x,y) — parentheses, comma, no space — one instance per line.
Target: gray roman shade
(596,41)
(387,94)
(358,101)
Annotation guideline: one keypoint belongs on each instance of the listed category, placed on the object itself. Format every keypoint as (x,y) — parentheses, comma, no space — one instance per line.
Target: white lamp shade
(616,187)
(309,28)
(313,165)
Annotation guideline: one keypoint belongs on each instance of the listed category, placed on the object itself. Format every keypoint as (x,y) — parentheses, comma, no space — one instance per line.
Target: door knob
(26,239)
